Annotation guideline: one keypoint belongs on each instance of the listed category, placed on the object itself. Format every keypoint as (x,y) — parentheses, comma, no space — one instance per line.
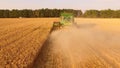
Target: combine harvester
(66,20)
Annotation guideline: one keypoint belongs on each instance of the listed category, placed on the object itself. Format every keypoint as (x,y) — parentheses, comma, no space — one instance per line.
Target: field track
(94,44)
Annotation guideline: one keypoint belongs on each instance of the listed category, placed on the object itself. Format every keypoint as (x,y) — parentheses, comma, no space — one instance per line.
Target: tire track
(25,34)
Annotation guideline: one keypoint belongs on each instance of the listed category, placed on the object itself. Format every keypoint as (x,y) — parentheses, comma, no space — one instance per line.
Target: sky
(60,4)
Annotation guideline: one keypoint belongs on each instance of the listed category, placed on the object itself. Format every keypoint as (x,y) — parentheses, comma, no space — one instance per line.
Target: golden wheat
(21,40)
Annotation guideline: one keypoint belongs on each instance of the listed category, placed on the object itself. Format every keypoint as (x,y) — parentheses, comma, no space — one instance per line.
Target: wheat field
(29,43)
(21,40)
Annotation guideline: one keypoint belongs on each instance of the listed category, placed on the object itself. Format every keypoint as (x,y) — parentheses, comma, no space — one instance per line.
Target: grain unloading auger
(66,19)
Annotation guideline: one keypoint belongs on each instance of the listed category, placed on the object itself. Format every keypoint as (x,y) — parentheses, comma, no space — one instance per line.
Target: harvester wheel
(56,25)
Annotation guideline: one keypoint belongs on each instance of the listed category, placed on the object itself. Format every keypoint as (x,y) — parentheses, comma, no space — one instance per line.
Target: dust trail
(79,47)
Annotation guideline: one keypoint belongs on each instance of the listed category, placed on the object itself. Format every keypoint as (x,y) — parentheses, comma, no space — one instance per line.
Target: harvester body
(67,19)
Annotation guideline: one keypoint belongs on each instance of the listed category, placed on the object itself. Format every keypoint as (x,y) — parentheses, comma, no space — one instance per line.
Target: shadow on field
(47,57)
(42,56)
(54,53)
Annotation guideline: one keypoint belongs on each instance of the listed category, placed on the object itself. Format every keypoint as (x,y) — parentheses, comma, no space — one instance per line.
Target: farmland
(25,43)
(20,40)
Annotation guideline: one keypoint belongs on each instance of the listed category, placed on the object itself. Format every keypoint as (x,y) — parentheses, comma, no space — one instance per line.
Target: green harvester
(66,19)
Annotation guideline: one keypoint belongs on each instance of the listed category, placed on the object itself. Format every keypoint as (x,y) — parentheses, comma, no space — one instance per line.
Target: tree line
(102,13)
(28,13)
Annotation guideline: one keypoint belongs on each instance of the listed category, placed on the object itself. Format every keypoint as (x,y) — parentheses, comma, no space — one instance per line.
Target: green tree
(14,14)
(91,13)
(107,13)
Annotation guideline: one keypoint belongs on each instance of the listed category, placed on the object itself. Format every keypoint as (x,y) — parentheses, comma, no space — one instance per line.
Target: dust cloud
(84,45)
